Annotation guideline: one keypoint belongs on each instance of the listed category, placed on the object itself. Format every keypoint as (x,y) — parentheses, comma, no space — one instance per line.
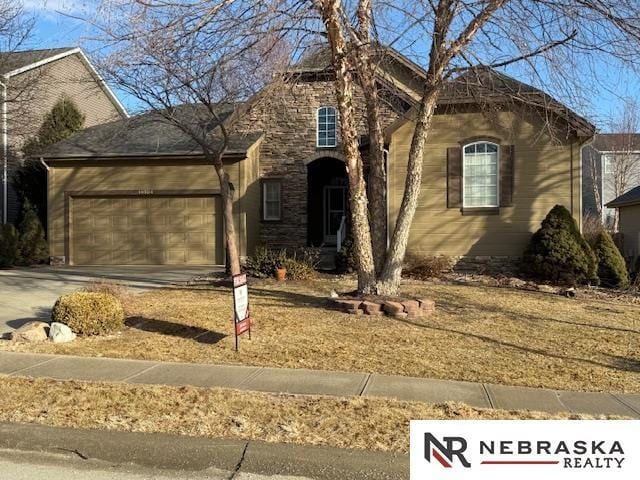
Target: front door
(335,207)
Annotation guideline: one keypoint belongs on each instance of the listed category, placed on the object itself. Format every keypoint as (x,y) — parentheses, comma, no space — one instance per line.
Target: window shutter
(506,175)
(454,177)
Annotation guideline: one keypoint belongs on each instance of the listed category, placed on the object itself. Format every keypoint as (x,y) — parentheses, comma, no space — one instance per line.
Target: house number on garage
(241,320)
(145,192)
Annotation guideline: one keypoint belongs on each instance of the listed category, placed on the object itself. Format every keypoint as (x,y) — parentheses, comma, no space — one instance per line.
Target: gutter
(5,151)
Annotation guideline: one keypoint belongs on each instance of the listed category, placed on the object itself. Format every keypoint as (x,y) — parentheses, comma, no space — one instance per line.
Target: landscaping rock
(401,315)
(427,305)
(60,333)
(393,307)
(333,294)
(354,311)
(371,308)
(31,332)
(569,292)
(411,306)
(346,304)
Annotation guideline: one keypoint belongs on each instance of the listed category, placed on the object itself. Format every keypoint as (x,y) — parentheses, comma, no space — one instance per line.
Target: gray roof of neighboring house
(10,61)
(632,197)
(617,142)
(152,134)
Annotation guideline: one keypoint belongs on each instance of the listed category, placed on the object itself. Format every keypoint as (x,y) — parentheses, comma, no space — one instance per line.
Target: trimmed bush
(89,313)
(33,246)
(612,270)
(263,262)
(9,246)
(301,265)
(424,267)
(558,252)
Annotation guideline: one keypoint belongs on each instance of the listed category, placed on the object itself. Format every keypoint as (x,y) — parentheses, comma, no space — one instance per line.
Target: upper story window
(606,164)
(326,127)
(480,175)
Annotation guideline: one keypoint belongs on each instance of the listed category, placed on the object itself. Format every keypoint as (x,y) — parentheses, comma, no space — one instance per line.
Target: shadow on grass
(278,298)
(153,325)
(618,363)
(454,305)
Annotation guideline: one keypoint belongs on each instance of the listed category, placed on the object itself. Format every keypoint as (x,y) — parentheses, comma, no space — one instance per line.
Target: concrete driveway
(29,293)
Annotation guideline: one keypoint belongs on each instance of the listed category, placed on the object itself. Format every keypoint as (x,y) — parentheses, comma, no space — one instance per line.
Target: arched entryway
(327,201)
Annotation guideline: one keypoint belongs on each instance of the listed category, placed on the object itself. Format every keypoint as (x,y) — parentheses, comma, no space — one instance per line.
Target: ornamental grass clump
(89,313)
(559,253)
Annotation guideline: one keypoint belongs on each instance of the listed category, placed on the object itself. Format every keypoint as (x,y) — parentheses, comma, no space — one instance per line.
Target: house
(138,191)
(628,205)
(31,82)
(610,167)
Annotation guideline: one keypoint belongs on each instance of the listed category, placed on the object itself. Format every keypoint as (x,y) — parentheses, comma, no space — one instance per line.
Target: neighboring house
(31,82)
(610,161)
(138,191)
(628,206)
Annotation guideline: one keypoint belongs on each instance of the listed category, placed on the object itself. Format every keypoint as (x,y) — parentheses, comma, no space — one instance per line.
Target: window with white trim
(271,200)
(480,175)
(326,127)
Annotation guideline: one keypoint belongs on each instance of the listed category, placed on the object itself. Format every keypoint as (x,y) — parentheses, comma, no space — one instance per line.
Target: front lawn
(363,423)
(478,333)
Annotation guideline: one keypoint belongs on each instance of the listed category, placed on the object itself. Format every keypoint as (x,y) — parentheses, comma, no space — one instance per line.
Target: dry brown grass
(373,424)
(478,333)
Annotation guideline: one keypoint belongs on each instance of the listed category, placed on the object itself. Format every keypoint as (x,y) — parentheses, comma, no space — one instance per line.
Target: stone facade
(287,116)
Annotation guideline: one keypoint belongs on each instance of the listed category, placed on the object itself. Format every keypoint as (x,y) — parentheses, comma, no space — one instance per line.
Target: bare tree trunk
(389,280)
(227,191)
(357,187)
(377,175)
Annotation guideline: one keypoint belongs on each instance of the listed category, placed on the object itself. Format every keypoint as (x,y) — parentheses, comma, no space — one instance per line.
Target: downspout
(5,151)
(385,156)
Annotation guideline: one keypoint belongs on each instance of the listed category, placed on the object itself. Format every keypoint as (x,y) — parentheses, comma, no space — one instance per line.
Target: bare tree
(190,66)
(15,28)
(461,38)
(621,167)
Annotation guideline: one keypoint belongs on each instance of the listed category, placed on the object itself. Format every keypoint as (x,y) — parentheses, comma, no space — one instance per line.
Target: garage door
(162,230)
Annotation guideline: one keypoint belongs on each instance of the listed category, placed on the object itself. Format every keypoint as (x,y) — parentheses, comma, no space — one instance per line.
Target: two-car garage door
(146,230)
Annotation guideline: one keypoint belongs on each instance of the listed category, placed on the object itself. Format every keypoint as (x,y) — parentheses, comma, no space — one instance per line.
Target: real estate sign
(242,321)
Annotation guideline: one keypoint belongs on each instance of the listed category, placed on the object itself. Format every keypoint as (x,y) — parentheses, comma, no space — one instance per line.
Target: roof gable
(11,62)
(632,197)
(19,62)
(480,85)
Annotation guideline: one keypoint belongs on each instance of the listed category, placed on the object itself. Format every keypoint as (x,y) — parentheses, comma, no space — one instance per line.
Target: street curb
(177,452)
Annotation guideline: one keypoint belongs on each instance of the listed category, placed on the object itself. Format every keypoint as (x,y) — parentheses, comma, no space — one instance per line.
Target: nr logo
(445,452)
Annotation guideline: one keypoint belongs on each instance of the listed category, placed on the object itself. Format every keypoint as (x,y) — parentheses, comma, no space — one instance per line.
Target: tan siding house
(32,82)
(137,191)
(628,205)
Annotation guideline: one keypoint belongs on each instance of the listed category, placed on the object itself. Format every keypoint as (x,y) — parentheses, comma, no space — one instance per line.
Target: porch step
(327,258)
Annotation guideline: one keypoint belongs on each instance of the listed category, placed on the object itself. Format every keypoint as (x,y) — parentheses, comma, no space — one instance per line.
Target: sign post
(241,319)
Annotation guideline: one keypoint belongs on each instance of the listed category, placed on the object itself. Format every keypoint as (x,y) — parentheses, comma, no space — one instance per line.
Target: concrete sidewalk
(315,382)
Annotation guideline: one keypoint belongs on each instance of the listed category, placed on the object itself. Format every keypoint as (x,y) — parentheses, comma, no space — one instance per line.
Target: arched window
(326,127)
(480,175)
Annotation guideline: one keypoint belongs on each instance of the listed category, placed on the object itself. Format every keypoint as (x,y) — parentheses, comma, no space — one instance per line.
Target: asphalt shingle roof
(151,134)
(632,197)
(10,61)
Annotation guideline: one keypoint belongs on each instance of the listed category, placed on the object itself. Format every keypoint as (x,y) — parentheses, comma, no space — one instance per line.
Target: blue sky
(55,29)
